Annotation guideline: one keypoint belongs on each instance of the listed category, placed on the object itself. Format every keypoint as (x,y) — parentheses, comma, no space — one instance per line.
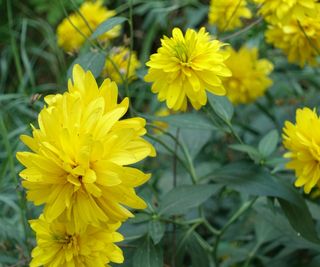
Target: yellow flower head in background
(162,112)
(92,15)
(303,142)
(291,39)
(60,244)
(185,66)
(120,57)
(227,14)
(76,167)
(249,78)
(275,11)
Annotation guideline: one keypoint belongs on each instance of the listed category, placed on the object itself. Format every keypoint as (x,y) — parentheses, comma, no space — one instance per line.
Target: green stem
(247,205)
(251,254)
(22,205)
(126,85)
(14,47)
(308,38)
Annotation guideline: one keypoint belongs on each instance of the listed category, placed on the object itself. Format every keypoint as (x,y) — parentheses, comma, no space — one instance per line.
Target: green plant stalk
(13,43)
(308,38)
(93,44)
(174,170)
(186,167)
(126,85)
(227,123)
(22,205)
(185,151)
(247,205)
(233,14)
(252,254)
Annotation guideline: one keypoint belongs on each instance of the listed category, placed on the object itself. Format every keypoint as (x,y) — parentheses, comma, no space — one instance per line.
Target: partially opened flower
(249,79)
(77,164)
(73,31)
(302,140)
(116,65)
(60,244)
(227,14)
(300,41)
(185,66)
(275,11)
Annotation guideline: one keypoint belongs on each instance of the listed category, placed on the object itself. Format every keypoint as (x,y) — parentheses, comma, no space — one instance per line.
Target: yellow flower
(185,67)
(60,244)
(163,112)
(292,40)
(76,166)
(275,11)
(94,13)
(303,142)
(249,78)
(120,57)
(227,14)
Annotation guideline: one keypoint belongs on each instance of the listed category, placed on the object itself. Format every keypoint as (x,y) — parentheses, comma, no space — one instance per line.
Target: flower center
(182,53)
(70,242)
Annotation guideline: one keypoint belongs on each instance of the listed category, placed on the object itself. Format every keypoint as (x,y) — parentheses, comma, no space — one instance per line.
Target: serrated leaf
(268,143)
(148,255)
(180,199)
(222,106)
(93,61)
(156,230)
(106,26)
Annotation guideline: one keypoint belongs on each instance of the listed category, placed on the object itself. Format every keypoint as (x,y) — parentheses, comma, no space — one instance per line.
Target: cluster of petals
(228,14)
(77,166)
(302,140)
(73,30)
(116,65)
(283,11)
(249,79)
(185,66)
(60,244)
(299,40)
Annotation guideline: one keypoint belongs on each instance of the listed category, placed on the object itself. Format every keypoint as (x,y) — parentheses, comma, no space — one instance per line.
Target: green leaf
(186,120)
(156,230)
(148,255)
(268,143)
(181,199)
(196,247)
(107,25)
(250,150)
(300,219)
(252,180)
(93,61)
(222,106)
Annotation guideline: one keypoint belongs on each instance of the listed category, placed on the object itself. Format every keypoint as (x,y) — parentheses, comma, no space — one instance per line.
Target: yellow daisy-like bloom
(250,78)
(185,67)
(92,14)
(76,167)
(275,11)
(120,57)
(292,40)
(227,14)
(303,142)
(60,244)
